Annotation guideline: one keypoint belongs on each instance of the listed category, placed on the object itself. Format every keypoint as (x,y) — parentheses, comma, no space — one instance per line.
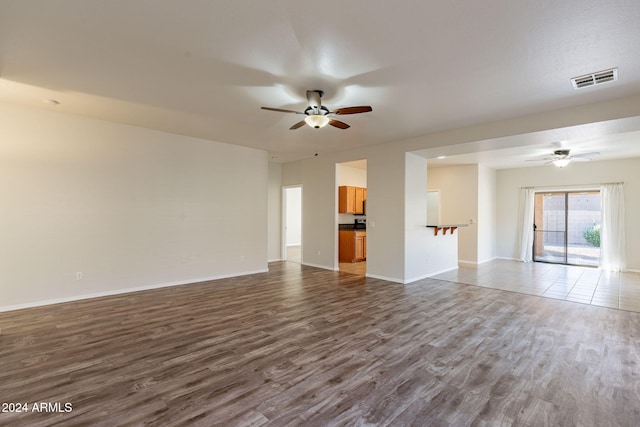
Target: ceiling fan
(318,115)
(562,158)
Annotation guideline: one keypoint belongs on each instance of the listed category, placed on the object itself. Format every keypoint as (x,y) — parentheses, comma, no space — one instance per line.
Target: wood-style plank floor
(303,346)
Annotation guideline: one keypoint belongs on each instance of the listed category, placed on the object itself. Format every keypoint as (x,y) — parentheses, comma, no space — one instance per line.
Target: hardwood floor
(304,346)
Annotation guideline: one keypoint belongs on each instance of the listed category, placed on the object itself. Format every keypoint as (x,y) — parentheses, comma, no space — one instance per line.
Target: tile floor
(357,268)
(578,284)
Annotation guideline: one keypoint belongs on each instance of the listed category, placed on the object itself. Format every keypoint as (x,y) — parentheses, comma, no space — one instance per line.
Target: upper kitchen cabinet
(351,200)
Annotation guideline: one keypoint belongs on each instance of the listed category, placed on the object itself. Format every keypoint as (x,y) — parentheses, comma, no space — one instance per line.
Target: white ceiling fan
(317,115)
(562,158)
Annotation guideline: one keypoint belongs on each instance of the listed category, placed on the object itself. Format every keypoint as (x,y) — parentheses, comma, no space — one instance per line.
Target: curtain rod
(574,185)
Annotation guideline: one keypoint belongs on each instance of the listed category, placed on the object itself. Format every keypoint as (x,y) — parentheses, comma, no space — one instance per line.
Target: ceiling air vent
(595,78)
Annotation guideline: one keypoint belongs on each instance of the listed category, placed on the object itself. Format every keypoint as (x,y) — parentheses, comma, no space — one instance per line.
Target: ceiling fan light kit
(318,115)
(317,120)
(561,162)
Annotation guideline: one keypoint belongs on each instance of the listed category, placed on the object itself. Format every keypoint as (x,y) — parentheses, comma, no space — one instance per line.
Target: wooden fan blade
(352,110)
(298,125)
(280,110)
(338,124)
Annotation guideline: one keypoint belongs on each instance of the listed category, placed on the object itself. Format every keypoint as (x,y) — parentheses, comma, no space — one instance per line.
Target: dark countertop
(352,227)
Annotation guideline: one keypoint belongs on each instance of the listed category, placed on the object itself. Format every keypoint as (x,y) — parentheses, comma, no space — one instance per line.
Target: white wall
(425,253)
(433,207)
(385,177)
(486,224)
(128,207)
(458,187)
(385,214)
(274,203)
(575,175)
(385,209)
(388,187)
(347,175)
(415,214)
(317,175)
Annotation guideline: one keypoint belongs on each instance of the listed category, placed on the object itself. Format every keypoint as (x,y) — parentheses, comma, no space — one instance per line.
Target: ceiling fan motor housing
(314,96)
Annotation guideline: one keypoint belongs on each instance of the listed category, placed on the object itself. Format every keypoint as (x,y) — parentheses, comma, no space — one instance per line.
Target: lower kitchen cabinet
(352,245)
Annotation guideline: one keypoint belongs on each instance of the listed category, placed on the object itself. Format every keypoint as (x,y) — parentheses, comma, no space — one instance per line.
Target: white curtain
(612,233)
(527,196)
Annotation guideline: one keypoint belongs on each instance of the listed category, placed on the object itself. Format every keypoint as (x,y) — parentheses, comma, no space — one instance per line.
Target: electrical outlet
(79,275)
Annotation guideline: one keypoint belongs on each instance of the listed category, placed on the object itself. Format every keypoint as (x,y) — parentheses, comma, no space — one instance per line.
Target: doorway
(351,220)
(567,228)
(292,220)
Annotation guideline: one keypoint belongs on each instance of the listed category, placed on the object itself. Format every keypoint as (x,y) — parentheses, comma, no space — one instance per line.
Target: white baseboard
(123,291)
(507,258)
(462,261)
(442,271)
(388,279)
(324,267)
(276,260)
(426,276)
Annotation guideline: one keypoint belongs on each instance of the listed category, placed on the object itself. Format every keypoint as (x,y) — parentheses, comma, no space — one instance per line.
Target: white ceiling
(613,146)
(204,68)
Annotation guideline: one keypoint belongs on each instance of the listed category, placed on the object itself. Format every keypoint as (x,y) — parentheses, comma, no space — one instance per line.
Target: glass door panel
(550,228)
(583,228)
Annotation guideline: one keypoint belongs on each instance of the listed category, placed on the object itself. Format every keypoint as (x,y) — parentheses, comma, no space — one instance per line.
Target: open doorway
(351,180)
(292,220)
(567,227)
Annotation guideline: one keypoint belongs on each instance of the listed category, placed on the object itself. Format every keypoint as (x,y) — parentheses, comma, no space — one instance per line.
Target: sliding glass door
(567,228)
(550,226)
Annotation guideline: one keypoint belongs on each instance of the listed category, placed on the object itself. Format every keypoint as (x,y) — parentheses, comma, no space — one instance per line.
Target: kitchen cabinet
(351,199)
(352,245)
